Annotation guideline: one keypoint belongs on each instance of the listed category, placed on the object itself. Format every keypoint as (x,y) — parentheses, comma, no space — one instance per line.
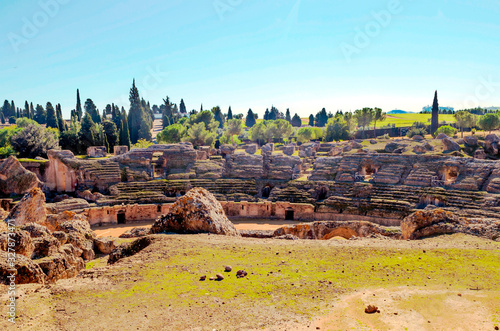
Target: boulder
(81,236)
(61,236)
(441,136)
(470,141)
(14,178)
(45,246)
(35,230)
(31,208)
(425,223)
(104,245)
(480,154)
(289,149)
(129,249)
(373,141)
(394,147)
(23,268)
(450,145)
(355,145)
(53,221)
(491,142)
(420,149)
(135,233)
(65,263)
(418,138)
(23,244)
(196,212)
(227,149)
(251,149)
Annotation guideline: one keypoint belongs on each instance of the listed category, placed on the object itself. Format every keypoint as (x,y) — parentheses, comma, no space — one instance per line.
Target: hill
(398,111)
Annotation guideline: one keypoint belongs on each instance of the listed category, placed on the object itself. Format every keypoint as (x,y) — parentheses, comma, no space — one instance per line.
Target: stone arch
(322,193)
(289,214)
(266,191)
(120,217)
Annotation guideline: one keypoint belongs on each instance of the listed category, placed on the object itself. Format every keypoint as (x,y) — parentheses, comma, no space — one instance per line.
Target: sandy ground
(157,127)
(115,230)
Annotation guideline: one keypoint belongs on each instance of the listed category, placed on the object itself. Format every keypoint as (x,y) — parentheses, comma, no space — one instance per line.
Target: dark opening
(158,209)
(322,194)
(266,191)
(121,218)
(289,214)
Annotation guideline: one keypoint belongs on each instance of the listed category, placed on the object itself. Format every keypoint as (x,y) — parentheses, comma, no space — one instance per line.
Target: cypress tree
(138,124)
(88,134)
(266,115)
(12,109)
(229,114)
(40,115)
(79,112)
(32,111)
(18,113)
(26,110)
(435,114)
(250,120)
(6,108)
(218,116)
(60,122)
(124,131)
(288,117)
(51,116)
(296,121)
(182,107)
(2,118)
(116,116)
(311,120)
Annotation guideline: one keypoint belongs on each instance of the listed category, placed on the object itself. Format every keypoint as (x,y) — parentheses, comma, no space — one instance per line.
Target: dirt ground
(442,283)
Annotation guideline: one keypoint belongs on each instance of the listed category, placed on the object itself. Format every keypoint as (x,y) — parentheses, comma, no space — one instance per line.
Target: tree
(282,130)
(464,120)
(321,118)
(139,122)
(337,129)
(378,115)
(167,113)
(61,124)
(435,114)
(218,116)
(79,111)
(34,141)
(91,108)
(198,135)
(13,109)
(489,122)
(32,111)
(110,133)
(447,130)
(229,114)
(207,117)
(287,116)
(70,139)
(266,115)
(364,117)
(263,131)
(182,108)
(26,110)
(172,134)
(234,127)
(124,131)
(6,109)
(2,118)
(116,116)
(296,121)
(250,119)
(142,143)
(311,120)
(51,116)
(307,134)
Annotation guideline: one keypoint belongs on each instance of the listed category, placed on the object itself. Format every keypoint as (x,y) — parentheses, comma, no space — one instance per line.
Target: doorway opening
(289,214)
(121,218)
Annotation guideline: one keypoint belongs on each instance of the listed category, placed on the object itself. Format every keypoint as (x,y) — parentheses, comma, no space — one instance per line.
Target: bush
(416,132)
(447,130)
(6,152)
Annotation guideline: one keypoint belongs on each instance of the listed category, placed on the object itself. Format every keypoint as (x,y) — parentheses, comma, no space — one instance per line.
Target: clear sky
(297,54)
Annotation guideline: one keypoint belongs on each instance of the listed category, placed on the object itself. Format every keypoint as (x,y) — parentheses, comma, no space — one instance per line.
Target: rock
(420,149)
(104,245)
(3,215)
(373,141)
(251,149)
(371,309)
(287,237)
(36,230)
(393,147)
(203,278)
(135,233)
(450,145)
(400,150)
(45,246)
(228,268)
(53,221)
(219,277)
(428,146)
(227,149)
(14,178)
(428,223)
(329,229)
(87,195)
(335,151)
(23,245)
(24,269)
(196,212)
(355,145)
(256,233)
(491,142)
(66,263)
(241,274)
(442,136)
(289,149)
(31,208)
(470,141)
(418,138)
(129,249)
(480,154)
(61,236)
(81,236)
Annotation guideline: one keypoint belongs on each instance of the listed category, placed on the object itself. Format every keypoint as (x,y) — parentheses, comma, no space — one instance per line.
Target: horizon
(291,54)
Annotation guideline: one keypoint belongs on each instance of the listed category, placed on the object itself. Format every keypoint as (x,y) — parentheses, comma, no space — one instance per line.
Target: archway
(266,191)
(289,214)
(120,217)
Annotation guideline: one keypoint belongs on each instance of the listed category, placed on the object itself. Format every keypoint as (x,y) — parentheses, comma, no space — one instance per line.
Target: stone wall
(60,175)
(132,213)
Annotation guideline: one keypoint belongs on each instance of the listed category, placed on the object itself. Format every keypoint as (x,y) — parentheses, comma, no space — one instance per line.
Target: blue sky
(297,54)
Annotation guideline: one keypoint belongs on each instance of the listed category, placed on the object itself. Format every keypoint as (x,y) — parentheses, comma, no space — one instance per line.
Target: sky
(298,54)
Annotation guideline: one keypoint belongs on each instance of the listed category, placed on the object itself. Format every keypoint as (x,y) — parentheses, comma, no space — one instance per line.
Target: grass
(33,160)
(292,278)
(403,120)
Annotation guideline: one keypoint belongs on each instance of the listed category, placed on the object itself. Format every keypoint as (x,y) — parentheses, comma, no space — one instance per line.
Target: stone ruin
(97,151)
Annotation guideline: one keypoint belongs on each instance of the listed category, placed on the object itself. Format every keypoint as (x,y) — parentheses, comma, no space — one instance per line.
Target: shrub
(447,130)
(416,132)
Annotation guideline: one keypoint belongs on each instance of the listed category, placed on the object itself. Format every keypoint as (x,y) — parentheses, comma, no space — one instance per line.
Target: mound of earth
(331,229)
(196,212)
